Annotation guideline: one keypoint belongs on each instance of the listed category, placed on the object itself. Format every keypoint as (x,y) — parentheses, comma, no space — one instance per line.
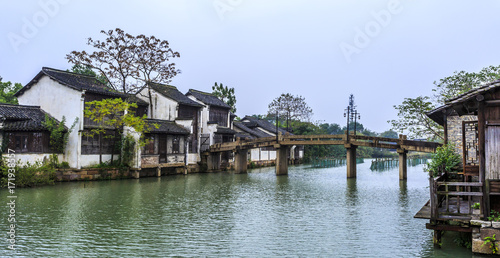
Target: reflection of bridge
(282,143)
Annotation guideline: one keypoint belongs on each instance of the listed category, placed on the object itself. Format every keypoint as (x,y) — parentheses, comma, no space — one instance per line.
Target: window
(92,144)
(218,115)
(175,144)
(149,148)
(28,142)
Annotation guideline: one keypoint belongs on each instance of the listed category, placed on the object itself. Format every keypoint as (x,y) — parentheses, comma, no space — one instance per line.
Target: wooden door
(493,152)
(162,146)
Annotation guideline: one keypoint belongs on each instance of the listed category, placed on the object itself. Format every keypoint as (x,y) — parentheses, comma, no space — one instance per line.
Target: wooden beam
(448,227)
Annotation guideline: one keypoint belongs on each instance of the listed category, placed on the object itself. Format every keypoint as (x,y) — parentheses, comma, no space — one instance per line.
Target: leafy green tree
(389,134)
(318,151)
(462,82)
(331,128)
(87,70)
(113,114)
(290,108)
(412,119)
(7,91)
(412,111)
(226,94)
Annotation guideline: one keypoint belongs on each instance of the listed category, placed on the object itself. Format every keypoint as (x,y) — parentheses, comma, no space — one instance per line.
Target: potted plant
(495,219)
(476,208)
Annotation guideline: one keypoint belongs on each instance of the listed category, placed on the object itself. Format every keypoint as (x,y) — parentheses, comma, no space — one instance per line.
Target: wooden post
(481,130)
(433,200)
(240,161)
(445,127)
(282,160)
(351,160)
(437,238)
(402,164)
(158,171)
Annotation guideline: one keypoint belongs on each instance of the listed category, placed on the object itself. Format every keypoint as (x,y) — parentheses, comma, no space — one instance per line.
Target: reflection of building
(472,122)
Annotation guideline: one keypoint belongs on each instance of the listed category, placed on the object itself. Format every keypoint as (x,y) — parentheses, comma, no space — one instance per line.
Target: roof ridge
(68,72)
(202,92)
(17,105)
(164,85)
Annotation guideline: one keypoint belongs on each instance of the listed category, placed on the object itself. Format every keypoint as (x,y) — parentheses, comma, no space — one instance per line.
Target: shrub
(443,161)
(29,175)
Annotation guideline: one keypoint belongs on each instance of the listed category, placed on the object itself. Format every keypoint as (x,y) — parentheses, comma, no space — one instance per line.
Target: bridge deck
(352,140)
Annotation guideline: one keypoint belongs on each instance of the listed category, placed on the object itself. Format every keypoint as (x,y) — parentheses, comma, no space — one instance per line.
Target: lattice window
(470,143)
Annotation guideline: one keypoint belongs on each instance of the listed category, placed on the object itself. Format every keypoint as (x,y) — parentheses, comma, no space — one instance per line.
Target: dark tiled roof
(225,130)
(254,122)
(244,136)
(247,130)
(75,81)
(165,126)
(208,98)
(22,118)
(173,93)
(135,99)
(492,86)
(455,106)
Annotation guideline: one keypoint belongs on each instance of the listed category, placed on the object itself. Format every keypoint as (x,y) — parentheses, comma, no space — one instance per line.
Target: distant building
(253,128)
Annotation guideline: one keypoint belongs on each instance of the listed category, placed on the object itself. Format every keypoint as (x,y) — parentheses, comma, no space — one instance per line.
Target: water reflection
(310,212)
(403,194)
(351,192)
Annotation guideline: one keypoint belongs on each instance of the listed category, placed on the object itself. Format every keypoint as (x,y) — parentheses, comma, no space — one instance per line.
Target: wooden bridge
(282,144)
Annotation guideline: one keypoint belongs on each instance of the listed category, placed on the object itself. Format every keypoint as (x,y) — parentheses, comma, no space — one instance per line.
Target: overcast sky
(380,51)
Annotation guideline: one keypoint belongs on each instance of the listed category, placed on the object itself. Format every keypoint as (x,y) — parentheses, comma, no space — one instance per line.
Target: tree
(462,82)
(128,62)
(412,118)
(291,108)
(113,114)
(331,128)
(225,94)
(87,70)
(412,111)
(390,134)
(7,91)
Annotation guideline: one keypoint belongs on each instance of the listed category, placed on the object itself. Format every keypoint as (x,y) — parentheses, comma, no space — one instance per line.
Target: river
(309,213)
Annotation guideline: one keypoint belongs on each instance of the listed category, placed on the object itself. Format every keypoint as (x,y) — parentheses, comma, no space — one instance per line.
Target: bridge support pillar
(282,160)
(240,161)
(351,160)
(403,168)
(213,161)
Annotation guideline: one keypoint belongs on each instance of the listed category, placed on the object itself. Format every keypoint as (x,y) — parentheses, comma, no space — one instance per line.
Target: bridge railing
(339,139)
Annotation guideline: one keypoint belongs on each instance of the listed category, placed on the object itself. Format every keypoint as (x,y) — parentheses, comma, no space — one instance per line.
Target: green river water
(309,213)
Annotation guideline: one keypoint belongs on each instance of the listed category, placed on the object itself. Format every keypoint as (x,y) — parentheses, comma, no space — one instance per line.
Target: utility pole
(277,127)
(347,112)
(356,116)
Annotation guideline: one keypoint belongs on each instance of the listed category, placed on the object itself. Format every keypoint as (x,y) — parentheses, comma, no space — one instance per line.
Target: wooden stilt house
(472,122)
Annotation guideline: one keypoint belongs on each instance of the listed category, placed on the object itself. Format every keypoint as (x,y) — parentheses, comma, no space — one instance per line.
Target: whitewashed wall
(163,108)
(59,100)
(32,158)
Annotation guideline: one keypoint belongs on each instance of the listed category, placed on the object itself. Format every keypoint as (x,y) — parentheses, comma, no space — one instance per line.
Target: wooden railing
(453,200)
(329,139)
